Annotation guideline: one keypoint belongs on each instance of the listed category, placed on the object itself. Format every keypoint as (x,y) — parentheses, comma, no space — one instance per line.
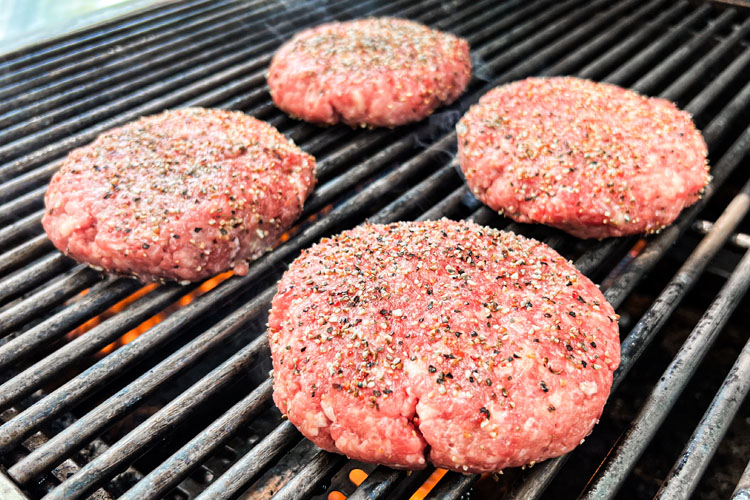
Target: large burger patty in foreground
(592,159)
(488,349)
(377,71)
(182,195)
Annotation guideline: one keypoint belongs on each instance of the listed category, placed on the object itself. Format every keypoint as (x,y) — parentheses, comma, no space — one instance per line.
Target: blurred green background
(23,22)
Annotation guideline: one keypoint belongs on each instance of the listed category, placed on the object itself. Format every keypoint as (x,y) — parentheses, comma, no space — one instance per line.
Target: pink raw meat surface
(444,341)
(592,159)
(376,71)
(182,195)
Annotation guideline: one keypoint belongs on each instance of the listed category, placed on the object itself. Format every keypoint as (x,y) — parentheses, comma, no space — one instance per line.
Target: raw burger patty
(376,71)
(592,159)
(181,195)
(488,349)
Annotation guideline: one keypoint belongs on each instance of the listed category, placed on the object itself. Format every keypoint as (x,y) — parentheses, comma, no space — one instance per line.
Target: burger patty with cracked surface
(445,341)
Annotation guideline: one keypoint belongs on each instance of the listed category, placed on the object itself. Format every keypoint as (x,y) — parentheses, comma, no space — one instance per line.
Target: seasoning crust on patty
(380,72)
(182,195)
(445,341)
(592,159)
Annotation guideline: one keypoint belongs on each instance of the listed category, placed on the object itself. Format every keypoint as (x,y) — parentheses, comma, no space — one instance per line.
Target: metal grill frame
(59,95)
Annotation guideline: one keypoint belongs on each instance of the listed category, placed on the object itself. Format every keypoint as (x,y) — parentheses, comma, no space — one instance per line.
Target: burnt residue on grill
(109,389)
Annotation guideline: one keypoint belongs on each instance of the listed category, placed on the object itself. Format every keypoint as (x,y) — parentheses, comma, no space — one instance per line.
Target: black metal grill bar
(24,252)
(207,42)
(40,76)
(252,463)
(80,278)
(88,343)
(22,205)
(29,225)
(413,198)
(482,215)
(452,486)
(363,170)
(193,83)
(613,472)
(29,180)
(648,57)
(30,276)
(382,481)
(345,156)
(448,205)
(709,94)
(379,483)
(75,41)
(689,468)
(742,491)
(88,426)
(590,260)
(741,240)
(88,306)
(732,111)
(170,472)
(170,415)
(685,52)
(320,466)
(702,67)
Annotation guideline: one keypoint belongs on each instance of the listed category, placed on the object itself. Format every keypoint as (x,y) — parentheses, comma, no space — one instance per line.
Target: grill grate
(184,410)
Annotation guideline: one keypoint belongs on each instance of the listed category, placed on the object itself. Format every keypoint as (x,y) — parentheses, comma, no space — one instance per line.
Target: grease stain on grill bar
(605,40)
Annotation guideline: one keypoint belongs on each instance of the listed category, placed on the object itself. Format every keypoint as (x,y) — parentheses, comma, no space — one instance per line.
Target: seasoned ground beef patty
(489,348)
(181,195)
(592,159)
(376,71)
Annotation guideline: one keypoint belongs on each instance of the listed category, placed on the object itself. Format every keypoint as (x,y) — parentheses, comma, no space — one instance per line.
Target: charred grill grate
(184,410)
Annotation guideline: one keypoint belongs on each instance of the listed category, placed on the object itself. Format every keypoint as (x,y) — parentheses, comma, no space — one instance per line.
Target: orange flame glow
(358,476)
(429,484)
(150,322)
